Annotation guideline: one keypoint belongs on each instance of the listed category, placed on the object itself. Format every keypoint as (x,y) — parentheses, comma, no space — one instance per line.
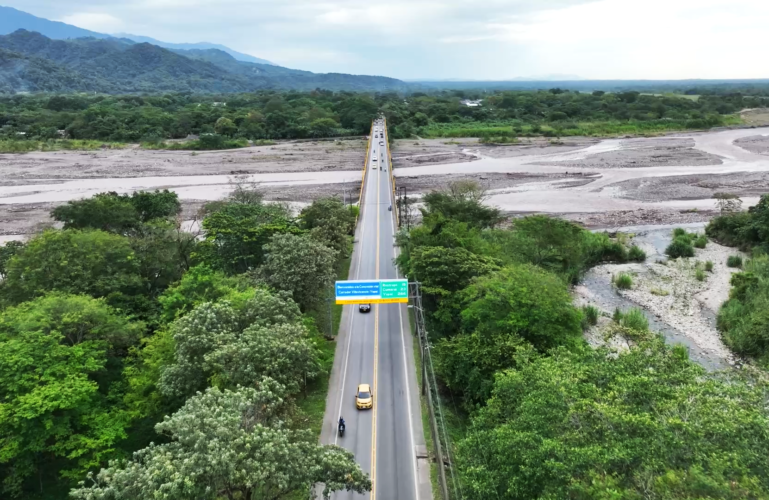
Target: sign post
(372,292)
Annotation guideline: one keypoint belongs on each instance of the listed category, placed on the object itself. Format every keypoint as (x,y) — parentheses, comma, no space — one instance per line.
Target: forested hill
(32,62)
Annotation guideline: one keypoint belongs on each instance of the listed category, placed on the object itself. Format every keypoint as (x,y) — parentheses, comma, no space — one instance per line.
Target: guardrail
(396,209)
(363,177)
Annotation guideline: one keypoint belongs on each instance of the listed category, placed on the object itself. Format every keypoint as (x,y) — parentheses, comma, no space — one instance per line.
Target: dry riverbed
(668,291)
(599,183)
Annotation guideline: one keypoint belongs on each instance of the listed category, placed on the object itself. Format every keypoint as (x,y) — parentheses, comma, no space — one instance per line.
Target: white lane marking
(408,405)
(352,315)
(406,373)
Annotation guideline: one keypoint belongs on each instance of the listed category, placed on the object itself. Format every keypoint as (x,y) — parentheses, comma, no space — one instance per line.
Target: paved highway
(376,348)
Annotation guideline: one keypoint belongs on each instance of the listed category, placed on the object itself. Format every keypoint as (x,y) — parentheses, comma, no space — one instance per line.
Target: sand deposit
(598,182)
(322,156)
(680,306)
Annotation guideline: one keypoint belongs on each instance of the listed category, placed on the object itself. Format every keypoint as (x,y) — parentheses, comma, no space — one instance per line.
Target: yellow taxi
(364,400)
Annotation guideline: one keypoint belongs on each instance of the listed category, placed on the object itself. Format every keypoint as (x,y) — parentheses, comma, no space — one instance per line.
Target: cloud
(94,21)
(482,39)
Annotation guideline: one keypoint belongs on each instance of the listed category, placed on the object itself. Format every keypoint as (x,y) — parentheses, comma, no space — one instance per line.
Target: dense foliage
(120,330)
(743,318)
(546,416)
(647,423)
(491,292)
(281,115)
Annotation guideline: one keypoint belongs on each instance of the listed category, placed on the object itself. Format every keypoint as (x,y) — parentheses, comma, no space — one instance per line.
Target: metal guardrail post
(427,382)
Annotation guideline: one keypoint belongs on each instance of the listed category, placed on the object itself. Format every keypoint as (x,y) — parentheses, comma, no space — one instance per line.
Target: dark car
(364,308)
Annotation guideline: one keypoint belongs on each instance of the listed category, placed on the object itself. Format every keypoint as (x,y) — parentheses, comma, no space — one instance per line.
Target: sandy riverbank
(681,306)
(596,182)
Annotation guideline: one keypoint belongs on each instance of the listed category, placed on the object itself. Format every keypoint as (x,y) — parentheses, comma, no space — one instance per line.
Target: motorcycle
(341,430)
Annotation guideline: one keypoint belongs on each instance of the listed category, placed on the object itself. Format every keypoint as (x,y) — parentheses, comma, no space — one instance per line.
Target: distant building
(471,104)
(219,104)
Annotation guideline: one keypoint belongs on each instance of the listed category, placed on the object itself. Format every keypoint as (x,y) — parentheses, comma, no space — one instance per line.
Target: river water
(604,294)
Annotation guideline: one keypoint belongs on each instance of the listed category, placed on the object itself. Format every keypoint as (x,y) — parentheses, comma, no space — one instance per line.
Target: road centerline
(376,346)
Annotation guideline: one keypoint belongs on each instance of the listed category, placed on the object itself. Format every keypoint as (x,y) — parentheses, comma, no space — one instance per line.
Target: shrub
(680,247)
(615,251)
(680,233)
(701,241)
(623,281)
(590,315)
(734,261)
(733,230)
(635,319)
(709,266)
(700,275)
(659,292)
(617,316)
(636,254)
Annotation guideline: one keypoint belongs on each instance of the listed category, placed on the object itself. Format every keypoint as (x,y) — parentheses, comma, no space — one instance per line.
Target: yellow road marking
(376,353)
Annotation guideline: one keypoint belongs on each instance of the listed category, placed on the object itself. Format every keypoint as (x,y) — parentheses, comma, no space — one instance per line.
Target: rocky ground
(694,187)
(638,217)
(676,302)
(135,162)
(599,183)
(651,152)
(757,144)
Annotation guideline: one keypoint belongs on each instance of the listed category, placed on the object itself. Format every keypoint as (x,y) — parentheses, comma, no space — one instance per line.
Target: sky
(455,39)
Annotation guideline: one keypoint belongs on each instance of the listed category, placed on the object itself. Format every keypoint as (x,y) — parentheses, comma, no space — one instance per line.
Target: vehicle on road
(364,308)
(374,158)
(381,143)
(341,427)
(364,399)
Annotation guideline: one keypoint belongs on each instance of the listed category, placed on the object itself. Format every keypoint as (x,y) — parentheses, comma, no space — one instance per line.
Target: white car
(374,159)
(381,143)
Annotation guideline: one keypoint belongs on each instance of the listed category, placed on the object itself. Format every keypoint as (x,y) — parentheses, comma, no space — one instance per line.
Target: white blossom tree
(299,265)
(228,444)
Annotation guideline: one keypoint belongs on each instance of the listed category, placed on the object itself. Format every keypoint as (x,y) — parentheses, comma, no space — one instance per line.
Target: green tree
(323,127)
(643,423)
(330,223)
(215,342)
(225,126)
(502,313)
(96,263)
(7,251)
(198,285)
(56,418)
(105,211)
(76,318)
(557,245)
(224,445)
(156,204)
(299,265)
(118,213)
(236,234)
(461,202)
(442,272)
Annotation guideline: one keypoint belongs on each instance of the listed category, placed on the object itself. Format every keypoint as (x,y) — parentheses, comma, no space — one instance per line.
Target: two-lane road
(376,348)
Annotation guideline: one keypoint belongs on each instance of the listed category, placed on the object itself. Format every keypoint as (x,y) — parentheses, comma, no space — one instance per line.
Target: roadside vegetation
(38,122)
(120,331)
(545,415)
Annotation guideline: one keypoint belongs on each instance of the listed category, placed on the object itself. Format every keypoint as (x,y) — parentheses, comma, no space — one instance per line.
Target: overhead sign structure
(372,291)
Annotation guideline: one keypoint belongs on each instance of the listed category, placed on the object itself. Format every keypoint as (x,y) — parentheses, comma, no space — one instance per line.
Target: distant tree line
(292,115)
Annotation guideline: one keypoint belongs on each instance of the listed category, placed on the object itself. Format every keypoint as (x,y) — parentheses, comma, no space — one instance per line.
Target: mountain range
(12,19)
(38,55)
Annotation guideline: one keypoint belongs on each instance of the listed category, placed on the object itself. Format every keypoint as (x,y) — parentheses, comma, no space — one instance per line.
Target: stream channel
(605,296)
